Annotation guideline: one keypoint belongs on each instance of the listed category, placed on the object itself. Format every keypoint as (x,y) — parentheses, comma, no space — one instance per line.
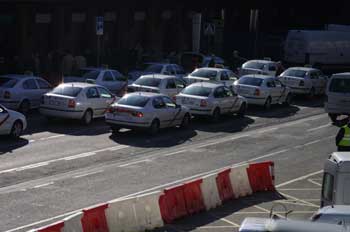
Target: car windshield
(333,218)
(90,74)
(154,68)
(148,81)
(250,81)
(6,82)
(254,65)
(134,100)
(295,73)
(211,74)
(197,91)
(70,91)
(340,85)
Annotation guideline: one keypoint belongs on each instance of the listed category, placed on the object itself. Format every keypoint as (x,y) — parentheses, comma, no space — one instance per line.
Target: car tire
(16,130)
(185,121)
(242,110)
(87,118)
(288,100)
(24,107)
(268,103)
(154,128)
(333,117)
(216,115)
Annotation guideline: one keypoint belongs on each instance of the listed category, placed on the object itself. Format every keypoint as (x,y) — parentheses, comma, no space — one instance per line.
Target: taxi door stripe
(3,121)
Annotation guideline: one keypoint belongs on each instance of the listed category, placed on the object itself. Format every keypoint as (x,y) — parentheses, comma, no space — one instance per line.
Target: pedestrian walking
(343,137)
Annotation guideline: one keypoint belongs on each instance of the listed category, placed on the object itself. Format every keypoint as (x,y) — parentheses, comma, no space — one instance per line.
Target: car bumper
(297,90)
(197,111)
(255,100)
(335,109)
(126,123)
(58,113)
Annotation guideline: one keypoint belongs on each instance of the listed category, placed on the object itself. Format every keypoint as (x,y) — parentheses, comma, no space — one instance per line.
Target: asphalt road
(60,167)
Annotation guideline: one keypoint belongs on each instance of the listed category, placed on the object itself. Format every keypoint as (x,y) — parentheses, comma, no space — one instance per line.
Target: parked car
(11,122)
(192,60)
(211,99)
(263,90)
(335,214)
(158,83)
(150,111)
(225,76)
(76,100)
(338,96)
(265,67)
(157,68)
(113,80)
(22,92)
(303,80)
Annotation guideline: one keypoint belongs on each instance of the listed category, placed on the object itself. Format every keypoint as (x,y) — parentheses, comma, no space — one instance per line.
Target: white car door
(31,92)
(180,85)
(94,101)
(281,90)
(173,111)
(170,87)
(4,121)
(106,99)
(44,86)
(221,100)
(161,112)
(273,91)
(232,100)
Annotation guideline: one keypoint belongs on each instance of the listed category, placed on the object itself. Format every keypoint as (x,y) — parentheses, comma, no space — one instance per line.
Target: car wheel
(24,107)
(17,129)
(333,117)
(185,121)
(87,118)
(216,115)
(154,128)
(242,110)
(267,104)
(288,100)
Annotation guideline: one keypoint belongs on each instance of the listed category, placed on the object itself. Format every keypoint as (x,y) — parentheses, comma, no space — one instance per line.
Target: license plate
(187,101)
(54,103)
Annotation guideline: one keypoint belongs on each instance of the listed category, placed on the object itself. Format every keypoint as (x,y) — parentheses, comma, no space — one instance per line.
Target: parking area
(299,197)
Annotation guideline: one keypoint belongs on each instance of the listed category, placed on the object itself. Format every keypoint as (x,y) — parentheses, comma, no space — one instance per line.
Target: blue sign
(99,25)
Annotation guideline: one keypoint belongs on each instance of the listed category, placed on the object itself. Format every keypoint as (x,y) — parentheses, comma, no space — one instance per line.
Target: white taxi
(11,122)
(265,67)
(263,90)
(222,75)
(158,83)
(150,111)
(77,101)
(211,99)
(303,80)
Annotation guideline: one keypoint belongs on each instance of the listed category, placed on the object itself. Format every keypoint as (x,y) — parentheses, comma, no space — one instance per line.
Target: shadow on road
(305,101)
(276,111)
(8,145)
(202,219)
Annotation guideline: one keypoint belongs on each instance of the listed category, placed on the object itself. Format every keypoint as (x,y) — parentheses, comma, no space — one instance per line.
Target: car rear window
(154,68)
(340,85)
(254,65)
(6,82)
(250,81)
(90,74)
(70,91)
(148,81)
(134,100)
(205,73)
(295,73)
(197,91)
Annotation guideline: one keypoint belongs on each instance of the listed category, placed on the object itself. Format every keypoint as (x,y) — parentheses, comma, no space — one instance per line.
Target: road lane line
(83,155)
(31,166)
(314,182)
(88,174)
(299,178)
(43,185)
(52,137)
(267,211)
(318,128)
(132,163)
(268,155)
(176,152)
(300,200)
(299,189)
(312,142)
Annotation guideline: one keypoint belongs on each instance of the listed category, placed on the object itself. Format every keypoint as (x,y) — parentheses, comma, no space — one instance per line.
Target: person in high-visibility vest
(343,137)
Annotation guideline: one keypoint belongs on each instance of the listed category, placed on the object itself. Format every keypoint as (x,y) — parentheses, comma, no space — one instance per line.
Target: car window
(228,92)
(108,76)
(158,103)
(43,84)
(92,93)
(327,187)
(148,81)
(169,70)
(278,84)
(91,75)
(224,76)
(155,68)
(104,93)
(197,91)
(70,91)
(180,84)
(29,84)
(254,65)
(295,73)
(272,67)
(219,92)
(118,76)
(340,85)
(270,84)
(179,69)
(211,74)
(231,75)
(169,103)
(6,82)
(134,100)
(250,81)
(171,84)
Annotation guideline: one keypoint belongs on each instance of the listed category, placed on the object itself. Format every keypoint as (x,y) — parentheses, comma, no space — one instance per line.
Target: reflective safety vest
(345,142)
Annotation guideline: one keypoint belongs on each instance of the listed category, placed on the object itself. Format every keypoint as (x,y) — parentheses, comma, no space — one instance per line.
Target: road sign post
(99,33)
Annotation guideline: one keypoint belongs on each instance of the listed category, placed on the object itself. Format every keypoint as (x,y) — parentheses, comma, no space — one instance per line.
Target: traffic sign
(99,25)
(209,29)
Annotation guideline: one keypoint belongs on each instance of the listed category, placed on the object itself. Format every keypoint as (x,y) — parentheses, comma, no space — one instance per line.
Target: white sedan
(11,122)
(149,111)
(265,67)
(303,80)
(221,75)
(158,83)
(263,90)
(211,99)
(77,101)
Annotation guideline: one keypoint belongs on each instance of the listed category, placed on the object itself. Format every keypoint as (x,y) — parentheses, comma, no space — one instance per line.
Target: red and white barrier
(149,211)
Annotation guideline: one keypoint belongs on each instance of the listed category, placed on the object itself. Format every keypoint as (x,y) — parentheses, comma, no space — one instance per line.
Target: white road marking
(43,185)
(268,155)
(300,200)
(299,178)
(229,222)
(52,137)
(314,182)
(320,127)
(216,227)
(299,189)
(83,155)
(313,142)
(31,141)
(88,174)
(266,211)
(31,166)
(132,163)
(175,152)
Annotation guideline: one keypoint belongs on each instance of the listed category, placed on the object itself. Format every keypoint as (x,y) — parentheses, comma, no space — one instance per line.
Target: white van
(338,95)
(317,47)
(336,180)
